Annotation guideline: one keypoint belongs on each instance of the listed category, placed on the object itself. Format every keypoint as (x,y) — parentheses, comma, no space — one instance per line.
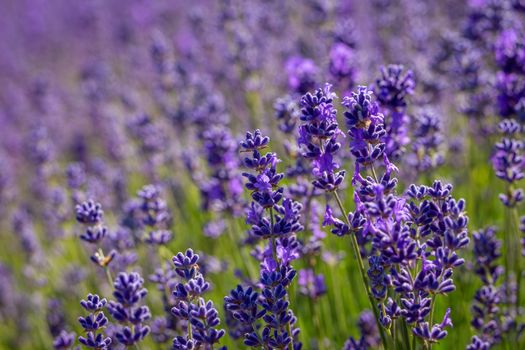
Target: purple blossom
(94,323)
(191,307)
(302,74)
(126,308)
(318,137)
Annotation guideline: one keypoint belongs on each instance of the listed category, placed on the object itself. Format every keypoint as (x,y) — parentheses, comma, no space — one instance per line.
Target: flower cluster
(64,341)
(487,300)
(365,128)
(510,83)
(286,113)
(369,333)
(508,161)
(302,74)
(90,214)
(318,136)
(415,237)
(200,316)
(221,190)
(426,151)
(155,216)
(93,324)
(392,90)
(279,229)
(342,65)
(267,192)
(310,284)
(248,307)
(126,308)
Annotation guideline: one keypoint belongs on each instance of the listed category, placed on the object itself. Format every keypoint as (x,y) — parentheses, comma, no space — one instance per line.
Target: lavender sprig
(126,309)
(90,214)
(200,316)
(93,324)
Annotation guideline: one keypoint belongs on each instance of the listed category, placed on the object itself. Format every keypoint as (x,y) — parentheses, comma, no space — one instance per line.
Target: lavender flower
(201,316)
(221,191)
(365,128)
(279,229)
(126,309)
(508,161)
(318,135)
(287,113)
(94,323)
(302,74)
(90,214)
(426,150)
(342,65)
(392,90)
(369,334)
(64,341)
(155,216)
(310,284)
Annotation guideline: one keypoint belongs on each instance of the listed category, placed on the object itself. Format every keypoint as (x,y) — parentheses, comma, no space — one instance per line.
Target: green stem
(108,275)
(431,318)
(404,333)
(361,266)
(394,333)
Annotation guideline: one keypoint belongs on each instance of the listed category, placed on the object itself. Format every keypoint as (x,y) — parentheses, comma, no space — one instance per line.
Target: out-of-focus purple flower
(510,51)
(486,314)
(64,341)
(369,333)
(487,251)
(222,190)
(478,344)
(214,229)
(287,113)
(392,91)
(508,161)
(310,284)
(342,65)
(302,74)
(511,94)
(426,149)
(155,216)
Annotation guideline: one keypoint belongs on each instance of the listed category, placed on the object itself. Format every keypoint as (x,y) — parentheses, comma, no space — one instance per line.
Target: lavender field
(230,174)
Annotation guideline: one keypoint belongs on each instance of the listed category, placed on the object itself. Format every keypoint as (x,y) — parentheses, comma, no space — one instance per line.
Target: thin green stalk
(404,334)
(394,330)
(432,305)
(108,275)
(361,266)
(431,317)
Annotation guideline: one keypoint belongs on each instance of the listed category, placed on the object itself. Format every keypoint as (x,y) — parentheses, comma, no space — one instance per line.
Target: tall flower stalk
(319,138)
(276,224)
